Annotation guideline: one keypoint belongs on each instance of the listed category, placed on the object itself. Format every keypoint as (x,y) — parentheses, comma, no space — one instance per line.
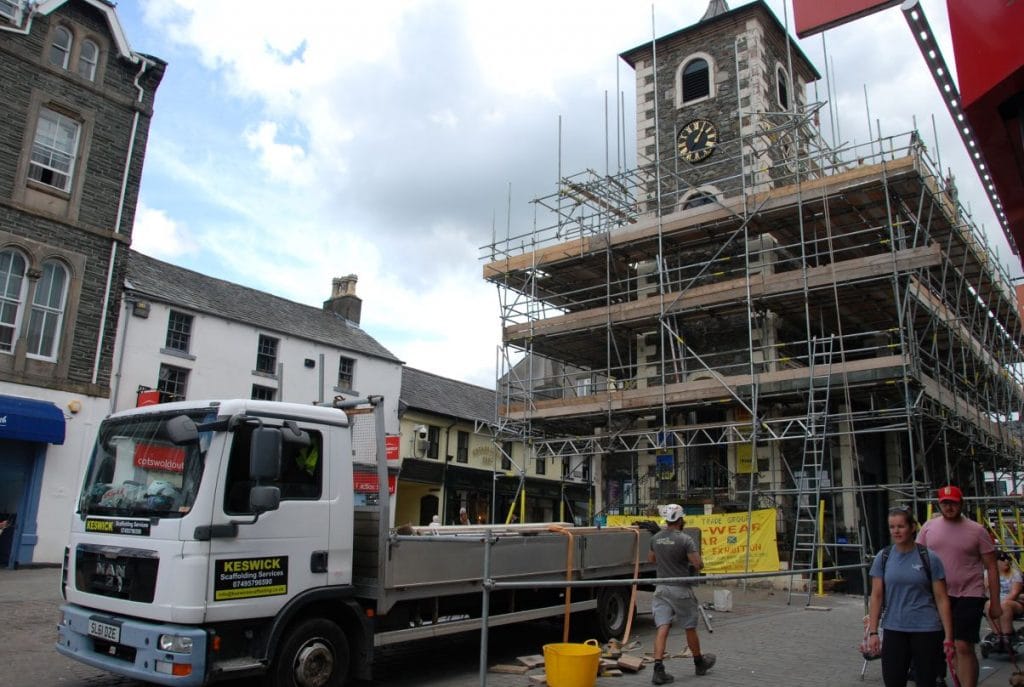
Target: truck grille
(119,573)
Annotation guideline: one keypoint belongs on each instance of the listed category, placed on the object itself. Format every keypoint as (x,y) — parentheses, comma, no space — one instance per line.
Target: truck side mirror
(262,499)
(265,454)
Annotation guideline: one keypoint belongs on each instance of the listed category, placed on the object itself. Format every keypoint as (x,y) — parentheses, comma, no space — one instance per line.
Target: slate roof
(443,396)
(166,283)
(633,54)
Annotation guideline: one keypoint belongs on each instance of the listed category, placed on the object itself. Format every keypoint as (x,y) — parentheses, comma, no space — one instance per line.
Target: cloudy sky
(296,142)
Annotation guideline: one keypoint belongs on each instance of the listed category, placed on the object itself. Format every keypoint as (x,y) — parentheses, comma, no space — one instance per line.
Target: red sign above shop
(392,445)
(368,483)
(162,458)
(149,397)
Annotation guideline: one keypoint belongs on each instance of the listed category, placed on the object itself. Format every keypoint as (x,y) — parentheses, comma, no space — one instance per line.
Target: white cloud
(281,161)
(156,233)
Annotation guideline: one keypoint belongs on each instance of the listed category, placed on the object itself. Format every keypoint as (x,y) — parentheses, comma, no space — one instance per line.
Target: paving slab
(762,642)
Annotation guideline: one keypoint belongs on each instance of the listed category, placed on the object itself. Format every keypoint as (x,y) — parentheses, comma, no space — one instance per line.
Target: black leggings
(900,648)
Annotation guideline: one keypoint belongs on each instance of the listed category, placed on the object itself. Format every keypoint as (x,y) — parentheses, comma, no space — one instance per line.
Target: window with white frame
(60,48)
(266,355)
(88,58)
(179,331)
(12,295)
(172,383)
(47,313)
(782,87)
(54,150)
(542,466)
(506,455)
(694,79)
(346,373)
(11,9)
(462,449)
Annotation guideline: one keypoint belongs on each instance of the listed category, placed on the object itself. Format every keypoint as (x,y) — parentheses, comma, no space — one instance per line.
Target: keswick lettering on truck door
(136,528)
(243,578)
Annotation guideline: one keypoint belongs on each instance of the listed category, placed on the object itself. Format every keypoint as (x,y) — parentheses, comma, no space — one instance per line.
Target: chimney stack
(344,300)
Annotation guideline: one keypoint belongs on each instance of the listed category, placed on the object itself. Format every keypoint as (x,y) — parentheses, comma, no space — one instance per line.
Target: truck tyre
(612,612)
(314,653)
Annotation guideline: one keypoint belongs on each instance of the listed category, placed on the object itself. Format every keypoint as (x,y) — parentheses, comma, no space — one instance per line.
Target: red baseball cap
(950,493)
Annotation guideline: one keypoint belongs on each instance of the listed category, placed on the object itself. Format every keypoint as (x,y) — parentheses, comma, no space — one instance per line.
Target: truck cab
(198,521)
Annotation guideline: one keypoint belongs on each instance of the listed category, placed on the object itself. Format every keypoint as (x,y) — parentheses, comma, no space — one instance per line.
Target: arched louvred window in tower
(696,80)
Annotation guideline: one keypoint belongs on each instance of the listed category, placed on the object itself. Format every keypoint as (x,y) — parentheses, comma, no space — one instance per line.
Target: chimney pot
(343,300)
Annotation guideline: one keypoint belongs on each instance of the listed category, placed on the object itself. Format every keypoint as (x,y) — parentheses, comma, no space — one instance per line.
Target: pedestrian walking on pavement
(967,552)
(675,554)
(910,605)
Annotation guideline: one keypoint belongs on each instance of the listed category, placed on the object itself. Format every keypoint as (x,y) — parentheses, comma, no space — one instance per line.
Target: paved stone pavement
(762,642)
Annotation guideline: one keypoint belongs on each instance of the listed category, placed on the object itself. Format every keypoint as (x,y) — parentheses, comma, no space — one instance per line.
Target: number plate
(106,631)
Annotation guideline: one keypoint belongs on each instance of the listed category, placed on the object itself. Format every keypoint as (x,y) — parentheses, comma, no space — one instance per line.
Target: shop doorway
(16,465)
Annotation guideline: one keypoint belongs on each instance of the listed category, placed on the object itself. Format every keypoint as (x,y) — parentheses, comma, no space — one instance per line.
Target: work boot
(660,677)
(704,663)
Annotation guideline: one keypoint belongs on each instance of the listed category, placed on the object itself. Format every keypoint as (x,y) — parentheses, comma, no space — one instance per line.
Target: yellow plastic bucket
(571,665)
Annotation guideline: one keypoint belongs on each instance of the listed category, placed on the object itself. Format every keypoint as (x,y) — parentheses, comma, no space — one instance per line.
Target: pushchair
(995,643)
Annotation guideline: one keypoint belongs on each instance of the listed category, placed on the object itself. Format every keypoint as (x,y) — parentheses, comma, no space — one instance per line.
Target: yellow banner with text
(725,537)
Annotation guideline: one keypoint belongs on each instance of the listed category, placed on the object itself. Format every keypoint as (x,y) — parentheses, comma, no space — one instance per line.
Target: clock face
(697,140)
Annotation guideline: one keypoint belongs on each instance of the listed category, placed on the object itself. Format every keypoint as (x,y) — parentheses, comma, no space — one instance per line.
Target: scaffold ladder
(808,481)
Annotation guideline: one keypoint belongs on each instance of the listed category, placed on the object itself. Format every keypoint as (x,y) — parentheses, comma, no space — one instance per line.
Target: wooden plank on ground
(531,661)
(509,668)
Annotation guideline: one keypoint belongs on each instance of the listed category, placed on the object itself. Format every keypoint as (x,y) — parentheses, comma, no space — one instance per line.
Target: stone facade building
(76,104)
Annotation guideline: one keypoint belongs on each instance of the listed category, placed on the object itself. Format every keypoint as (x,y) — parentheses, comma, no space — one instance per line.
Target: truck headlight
(176,644)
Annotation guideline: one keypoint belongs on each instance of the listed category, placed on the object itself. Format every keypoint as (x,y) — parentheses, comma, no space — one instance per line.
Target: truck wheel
(314,653)
(612,612)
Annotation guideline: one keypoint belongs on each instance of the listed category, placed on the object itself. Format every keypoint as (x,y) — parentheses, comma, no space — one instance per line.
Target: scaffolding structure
(834,329)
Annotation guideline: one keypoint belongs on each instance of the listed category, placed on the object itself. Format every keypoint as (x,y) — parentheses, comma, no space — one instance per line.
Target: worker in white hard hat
(675,555)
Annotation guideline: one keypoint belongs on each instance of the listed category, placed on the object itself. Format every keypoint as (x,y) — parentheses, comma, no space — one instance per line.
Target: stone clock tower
(721,107)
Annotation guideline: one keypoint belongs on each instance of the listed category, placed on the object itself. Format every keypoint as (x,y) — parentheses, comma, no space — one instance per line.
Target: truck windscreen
(136,470)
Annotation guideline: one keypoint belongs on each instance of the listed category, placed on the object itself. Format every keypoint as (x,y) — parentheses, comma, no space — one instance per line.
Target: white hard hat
(672,512)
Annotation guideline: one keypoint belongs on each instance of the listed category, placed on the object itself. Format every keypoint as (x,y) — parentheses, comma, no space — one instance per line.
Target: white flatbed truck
(218,540)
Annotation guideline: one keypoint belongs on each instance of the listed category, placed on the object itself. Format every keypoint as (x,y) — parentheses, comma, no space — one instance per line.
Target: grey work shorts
(674,604)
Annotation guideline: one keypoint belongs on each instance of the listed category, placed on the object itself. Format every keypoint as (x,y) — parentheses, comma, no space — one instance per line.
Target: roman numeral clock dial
(697,140)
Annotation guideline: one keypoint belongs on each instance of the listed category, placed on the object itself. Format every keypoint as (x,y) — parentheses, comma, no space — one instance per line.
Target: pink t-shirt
(960,545)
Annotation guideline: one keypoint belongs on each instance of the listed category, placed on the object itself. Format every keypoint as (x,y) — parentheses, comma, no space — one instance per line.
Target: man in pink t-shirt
(966,551)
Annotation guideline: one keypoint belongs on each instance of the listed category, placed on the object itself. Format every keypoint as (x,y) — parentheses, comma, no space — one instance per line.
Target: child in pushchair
(1011,584)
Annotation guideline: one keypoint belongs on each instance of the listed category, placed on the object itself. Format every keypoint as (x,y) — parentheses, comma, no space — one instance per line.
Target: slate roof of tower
(633,54)
(443,396)
(166,283)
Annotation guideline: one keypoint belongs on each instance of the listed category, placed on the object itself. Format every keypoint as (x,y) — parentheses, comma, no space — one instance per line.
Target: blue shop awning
(30,420)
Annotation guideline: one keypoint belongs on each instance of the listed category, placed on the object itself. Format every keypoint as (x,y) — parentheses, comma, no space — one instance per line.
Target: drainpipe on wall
(143,64)
(120,358)
(444,473)
(320,398)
